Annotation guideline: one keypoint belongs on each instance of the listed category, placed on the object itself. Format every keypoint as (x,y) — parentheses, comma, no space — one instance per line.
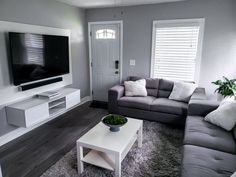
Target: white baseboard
(85,99)
(21,131)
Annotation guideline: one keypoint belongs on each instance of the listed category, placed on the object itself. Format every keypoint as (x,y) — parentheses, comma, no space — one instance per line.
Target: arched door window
(105,34)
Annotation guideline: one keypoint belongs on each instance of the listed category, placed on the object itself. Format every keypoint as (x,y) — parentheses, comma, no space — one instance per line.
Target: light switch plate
(132,62)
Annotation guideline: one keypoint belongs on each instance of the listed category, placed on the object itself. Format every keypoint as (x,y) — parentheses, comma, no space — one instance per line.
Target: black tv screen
(35,56)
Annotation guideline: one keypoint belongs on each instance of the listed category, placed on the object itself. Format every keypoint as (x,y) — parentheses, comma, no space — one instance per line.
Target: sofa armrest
(114,94)
(199,94)
(201,107)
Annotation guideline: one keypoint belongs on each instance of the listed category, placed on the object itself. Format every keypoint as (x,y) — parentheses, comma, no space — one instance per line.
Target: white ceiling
(111,3)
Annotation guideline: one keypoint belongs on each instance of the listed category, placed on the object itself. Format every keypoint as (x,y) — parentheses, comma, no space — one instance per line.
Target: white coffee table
(108,149)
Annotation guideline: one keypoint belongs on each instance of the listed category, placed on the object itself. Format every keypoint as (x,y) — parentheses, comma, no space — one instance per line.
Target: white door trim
(90,49)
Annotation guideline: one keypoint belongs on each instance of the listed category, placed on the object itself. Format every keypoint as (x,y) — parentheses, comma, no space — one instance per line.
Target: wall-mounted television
(36,56)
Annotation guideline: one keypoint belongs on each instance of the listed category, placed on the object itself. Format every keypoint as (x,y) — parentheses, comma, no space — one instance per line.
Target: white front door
(105,58)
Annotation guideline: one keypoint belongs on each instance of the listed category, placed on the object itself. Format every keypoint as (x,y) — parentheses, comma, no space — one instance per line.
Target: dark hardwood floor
(34,152)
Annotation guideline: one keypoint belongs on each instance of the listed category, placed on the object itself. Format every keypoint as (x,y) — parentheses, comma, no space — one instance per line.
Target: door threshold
(99,104)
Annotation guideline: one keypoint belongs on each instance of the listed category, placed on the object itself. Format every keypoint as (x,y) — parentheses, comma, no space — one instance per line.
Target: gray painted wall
(53,14)
(219,46)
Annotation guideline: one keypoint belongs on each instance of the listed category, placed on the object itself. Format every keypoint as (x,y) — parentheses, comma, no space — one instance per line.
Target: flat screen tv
(35,56)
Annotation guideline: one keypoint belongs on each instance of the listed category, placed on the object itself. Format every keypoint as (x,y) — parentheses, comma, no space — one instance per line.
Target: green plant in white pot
(226,87)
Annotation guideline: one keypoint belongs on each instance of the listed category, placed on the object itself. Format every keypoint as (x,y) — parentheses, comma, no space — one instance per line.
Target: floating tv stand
(32,111)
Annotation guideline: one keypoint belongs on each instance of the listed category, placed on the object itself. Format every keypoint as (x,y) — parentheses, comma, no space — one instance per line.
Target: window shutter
(175,51)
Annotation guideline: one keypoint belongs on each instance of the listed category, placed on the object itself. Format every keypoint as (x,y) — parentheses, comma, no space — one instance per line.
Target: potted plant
(114,122)
(226,87)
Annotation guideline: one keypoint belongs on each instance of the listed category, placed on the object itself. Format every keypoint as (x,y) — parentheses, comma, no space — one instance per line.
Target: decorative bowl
(114,122)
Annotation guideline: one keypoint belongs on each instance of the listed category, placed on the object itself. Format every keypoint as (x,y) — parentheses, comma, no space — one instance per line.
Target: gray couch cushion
(165,88)
(199,94)
(201,133)
(201,107)
(136,102)
(134,78)
(152,86)
(203,162)
(169,106)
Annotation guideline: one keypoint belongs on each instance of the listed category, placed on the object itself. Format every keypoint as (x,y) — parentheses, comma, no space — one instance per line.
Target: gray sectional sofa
(156,106)
(208,150)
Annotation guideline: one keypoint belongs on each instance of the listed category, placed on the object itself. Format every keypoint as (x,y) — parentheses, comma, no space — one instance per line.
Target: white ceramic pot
(219,97)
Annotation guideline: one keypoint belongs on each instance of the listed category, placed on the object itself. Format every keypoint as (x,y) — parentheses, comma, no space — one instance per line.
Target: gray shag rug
(160,156)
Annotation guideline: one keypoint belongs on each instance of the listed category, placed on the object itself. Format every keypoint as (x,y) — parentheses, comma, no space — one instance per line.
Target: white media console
(34,110)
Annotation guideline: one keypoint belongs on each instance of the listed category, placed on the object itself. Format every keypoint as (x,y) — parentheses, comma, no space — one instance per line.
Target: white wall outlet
(132,62)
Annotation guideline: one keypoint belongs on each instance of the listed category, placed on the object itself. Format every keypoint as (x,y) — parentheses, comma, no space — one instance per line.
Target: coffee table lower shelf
(105,160)
(100,159)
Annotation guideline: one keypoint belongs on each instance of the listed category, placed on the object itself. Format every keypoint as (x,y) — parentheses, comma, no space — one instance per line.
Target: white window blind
(175,51)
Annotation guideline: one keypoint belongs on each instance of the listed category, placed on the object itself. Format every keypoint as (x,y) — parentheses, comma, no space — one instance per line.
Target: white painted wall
(219,43)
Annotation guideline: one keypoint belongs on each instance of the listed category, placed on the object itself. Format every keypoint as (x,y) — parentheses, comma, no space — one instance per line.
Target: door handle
(117,64)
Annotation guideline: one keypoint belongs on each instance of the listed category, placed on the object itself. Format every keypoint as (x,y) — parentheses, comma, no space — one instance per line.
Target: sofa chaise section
(201,133)
(208,150)
(204,162)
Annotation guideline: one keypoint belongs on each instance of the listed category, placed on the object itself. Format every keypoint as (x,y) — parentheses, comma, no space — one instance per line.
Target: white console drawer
(73,99)
(36,114)
(27,117)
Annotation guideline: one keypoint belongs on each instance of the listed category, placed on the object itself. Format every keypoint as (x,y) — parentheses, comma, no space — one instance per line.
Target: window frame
(200,21)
